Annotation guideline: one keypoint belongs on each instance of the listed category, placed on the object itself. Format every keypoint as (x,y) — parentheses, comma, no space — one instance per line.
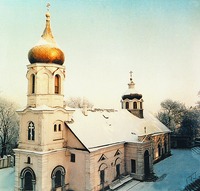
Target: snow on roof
(130,91)
(153,125)
(39,108)
(102,128)
(42,108)
(45,108)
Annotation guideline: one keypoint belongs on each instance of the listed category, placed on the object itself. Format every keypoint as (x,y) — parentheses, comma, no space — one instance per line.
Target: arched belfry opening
(134,105)
(32,83)
(127,105)
(57,84)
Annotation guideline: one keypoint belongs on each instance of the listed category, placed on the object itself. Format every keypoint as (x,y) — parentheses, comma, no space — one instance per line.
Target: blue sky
(103,40)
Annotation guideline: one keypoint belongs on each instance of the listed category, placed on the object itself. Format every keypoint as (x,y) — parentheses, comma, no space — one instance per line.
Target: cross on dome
(48,6)
(131,84)
(131,75)
(47,34)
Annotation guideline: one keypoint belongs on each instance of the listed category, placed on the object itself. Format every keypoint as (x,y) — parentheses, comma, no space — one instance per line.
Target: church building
(61,148)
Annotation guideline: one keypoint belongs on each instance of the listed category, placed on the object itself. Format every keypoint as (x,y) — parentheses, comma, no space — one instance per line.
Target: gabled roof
(104,128)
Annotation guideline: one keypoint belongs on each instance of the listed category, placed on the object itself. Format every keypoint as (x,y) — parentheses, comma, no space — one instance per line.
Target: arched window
(28,179)
(28,160)
(59,127)
(118,167)
(134,105)
(140,105)
(57,84)
(32,83)
(118,170)
(102,174)
(58,178)
(31,131)
(127,105)
(55,128)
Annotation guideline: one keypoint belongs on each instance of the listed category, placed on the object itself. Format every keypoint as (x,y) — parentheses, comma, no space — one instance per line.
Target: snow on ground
(172,173)
(7,179)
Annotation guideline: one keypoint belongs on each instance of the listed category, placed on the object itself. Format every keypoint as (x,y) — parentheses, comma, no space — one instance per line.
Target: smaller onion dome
(131,93)
(47,50)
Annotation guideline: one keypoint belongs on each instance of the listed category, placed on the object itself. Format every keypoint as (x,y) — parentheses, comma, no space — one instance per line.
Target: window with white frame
(31,131)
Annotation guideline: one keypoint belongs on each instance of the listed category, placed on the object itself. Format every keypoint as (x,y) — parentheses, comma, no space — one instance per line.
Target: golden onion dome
(47,50)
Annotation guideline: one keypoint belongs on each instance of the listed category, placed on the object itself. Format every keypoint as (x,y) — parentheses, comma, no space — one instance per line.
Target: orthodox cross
(48,6)
(131,75)
(31,127)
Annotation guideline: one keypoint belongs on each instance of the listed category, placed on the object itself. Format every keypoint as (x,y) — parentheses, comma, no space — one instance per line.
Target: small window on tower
(140,105)
(134,105)
(59,127)
(73,157)
(127,105)
(29,160)
(55,128)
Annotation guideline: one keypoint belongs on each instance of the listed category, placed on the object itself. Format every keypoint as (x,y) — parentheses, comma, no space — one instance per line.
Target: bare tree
(8,127)
(171,113)
(77,102)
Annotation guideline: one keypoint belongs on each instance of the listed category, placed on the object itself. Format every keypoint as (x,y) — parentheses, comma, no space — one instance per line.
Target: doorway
(133,166)
(28,179)
(146,164)
(118,170)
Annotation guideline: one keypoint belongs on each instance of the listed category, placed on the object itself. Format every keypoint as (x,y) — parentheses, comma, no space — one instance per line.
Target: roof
(103,128)
(44,108)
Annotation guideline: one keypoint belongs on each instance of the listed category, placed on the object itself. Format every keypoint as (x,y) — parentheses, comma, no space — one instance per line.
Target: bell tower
(41,154)
(45,73)
(131,100)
